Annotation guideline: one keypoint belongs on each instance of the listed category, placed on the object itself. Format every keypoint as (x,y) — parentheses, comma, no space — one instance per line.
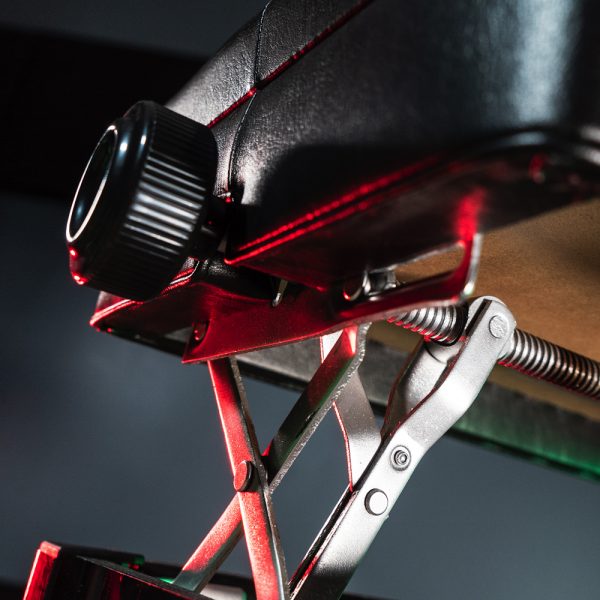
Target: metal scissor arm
(435,389)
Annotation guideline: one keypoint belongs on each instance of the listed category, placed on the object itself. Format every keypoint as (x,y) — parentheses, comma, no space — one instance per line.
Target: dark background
(106,443)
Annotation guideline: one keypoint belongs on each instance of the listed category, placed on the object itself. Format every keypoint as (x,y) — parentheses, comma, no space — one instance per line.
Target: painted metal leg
(356,420)
(250,481)
(326,385)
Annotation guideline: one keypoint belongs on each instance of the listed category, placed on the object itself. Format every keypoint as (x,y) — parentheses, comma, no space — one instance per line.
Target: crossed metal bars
(438,385)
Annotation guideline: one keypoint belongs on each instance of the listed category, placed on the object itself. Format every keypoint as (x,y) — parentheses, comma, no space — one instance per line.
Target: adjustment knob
(142,203)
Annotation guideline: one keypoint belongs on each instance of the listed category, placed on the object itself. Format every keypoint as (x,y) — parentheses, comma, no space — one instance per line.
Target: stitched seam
(235,144)
(249,94)
(331,212)
(258,41)
(288,62)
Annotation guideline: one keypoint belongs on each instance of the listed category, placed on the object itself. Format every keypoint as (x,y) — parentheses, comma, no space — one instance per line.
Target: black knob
(143,203)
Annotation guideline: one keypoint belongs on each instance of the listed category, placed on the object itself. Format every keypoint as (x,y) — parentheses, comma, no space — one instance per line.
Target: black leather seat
(315,99)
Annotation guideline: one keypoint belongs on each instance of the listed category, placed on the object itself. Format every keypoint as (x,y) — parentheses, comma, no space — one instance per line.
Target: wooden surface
(547,271)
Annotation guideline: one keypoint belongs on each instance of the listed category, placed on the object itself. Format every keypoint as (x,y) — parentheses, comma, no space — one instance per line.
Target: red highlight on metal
(40,571)
(336,210)
(342,20)
(100,315)
(468,212)
(79,280)
(266,560)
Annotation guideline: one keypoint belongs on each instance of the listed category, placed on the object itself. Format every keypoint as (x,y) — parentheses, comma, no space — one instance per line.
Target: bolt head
(400,458)
(243,476)
(356,287)
(199,332)
(376,502)
(498,326)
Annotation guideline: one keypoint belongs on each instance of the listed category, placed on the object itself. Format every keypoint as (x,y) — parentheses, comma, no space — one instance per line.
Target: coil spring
(527,353)
(539,358)
(444,324)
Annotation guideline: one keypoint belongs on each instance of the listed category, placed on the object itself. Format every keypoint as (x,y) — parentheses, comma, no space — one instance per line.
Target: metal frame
(436,387)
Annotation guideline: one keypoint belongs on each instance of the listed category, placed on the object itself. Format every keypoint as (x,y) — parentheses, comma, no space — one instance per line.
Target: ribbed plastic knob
(142,202)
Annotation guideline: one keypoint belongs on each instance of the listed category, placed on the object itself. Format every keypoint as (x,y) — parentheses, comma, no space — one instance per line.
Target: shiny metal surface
(262,538)
(552,363)
(356,420)
(356,520)
(562,435)
(327,384)
(443,324)
(527,353)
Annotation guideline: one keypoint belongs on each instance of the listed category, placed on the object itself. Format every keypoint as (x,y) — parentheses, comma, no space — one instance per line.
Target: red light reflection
(79,279)
(344,18)
(318,218)
(40,571)
(468,214)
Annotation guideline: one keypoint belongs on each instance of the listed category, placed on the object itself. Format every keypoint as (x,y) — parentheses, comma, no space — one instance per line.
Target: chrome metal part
(376,502)
(434,390)
(560,436)
(440,324)
(262,539)
(400,457)
(356,420)
(279,294)
(327,384)
(526,353)
(370,284)
(356,520)
(306,312)
(324,389)
(552,363)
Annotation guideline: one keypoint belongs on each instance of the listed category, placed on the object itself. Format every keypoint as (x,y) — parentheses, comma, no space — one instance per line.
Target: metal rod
(526,353)
(250,482)
(325,387)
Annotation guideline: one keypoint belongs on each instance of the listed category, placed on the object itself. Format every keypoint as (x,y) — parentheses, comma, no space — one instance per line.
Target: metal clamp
(445,391)
(437,386)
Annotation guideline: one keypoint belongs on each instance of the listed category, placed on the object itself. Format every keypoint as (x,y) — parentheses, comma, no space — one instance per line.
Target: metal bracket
(436,388)
(360,513)
(326,385)
(356,419)
(305,312)
(250,482)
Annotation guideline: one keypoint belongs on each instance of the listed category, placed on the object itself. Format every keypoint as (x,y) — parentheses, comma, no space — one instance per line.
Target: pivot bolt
(244,474)
(498,326)
(376,502)
(199,332)
(400,458)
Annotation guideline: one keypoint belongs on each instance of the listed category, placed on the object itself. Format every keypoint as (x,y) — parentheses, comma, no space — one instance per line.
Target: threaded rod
(527,353)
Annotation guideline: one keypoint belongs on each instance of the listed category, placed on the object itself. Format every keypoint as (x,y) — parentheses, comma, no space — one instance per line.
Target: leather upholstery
(314,99)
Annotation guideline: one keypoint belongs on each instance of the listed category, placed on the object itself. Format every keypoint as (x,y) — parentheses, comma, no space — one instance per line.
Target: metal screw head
(498,326)
(376,502)
(199,332)
(400,457)
(243,476)
(356,287)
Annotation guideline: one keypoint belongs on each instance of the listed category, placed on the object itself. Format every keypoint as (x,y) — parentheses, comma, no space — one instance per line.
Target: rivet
(199,332)
(243,476)
(498,326)
(376,502)
(400,458)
